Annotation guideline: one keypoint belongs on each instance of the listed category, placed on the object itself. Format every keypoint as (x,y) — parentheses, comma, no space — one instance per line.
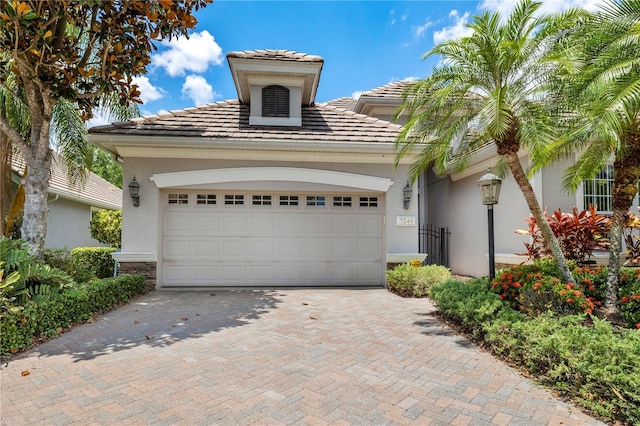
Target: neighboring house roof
(96,191)
(347,103)
(394,89)
(387,98)
(229,120)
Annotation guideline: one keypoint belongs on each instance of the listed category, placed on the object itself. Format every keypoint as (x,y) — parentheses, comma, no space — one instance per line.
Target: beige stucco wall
(457,205)
(141,226)
(68,225)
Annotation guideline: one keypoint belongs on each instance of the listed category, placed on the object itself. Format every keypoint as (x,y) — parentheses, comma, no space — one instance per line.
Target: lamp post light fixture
(406,196)
(489,185)
(134,188)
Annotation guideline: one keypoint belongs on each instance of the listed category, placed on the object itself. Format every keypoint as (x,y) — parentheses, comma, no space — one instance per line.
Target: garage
(230,239)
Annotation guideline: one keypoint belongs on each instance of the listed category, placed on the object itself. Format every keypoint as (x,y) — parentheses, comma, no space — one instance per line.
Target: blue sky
(365,44)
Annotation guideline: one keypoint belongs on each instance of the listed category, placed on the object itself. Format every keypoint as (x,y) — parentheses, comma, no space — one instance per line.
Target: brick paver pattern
(284,356)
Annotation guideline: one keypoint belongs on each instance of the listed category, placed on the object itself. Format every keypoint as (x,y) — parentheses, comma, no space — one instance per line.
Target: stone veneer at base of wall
(146,269)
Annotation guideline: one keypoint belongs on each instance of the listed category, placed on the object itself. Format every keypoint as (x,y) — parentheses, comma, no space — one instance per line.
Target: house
(72,204)
(269,189)
(274,189)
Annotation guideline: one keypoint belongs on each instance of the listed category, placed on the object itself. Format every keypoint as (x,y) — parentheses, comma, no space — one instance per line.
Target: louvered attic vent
(275,101)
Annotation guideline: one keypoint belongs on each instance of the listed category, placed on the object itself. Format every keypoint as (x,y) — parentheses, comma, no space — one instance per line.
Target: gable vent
(275,101)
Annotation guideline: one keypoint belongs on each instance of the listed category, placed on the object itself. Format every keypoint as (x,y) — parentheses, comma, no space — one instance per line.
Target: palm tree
(604,98)
(490,88)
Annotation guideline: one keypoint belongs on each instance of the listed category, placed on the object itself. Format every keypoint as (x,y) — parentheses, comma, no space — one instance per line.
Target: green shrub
(106,227)
(471,303)
(23,278)
(92,262)
(409,281)
(629,295)
(586,359)
(537,288)
(74,305)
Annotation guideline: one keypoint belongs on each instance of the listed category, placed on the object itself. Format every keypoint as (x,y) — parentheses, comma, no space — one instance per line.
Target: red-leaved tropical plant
(579,234)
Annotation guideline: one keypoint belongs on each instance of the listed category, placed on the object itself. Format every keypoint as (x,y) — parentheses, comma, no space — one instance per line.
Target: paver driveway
(313,356)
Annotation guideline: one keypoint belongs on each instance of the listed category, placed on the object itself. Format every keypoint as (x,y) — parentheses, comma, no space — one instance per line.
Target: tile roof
(346,102)
(230,120)
(280,55)
(394,89)
(96,191)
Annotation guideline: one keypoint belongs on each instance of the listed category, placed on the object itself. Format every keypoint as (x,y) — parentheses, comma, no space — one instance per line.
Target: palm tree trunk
(5,178)
(550,239)
(624,189)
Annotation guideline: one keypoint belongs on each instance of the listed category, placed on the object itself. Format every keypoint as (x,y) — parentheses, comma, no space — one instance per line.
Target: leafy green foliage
(23,278)
(584,358)
(409,281)
(92,262)
(105,166)
(579,234)
(73,305)
(106,227)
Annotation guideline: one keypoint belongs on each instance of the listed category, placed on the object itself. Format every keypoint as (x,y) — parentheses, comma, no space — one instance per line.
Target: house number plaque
(405,221)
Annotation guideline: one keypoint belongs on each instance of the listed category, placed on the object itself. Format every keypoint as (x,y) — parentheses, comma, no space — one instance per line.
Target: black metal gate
(434,241)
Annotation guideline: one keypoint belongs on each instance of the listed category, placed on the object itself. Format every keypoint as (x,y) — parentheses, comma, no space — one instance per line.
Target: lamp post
(490,192)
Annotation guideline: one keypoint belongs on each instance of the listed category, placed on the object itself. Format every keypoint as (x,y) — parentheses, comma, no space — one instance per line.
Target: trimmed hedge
(410,281)
(586,359)
(92,262)
(77,304)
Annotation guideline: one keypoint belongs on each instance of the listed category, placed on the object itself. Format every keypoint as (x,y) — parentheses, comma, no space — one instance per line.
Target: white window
(368,201)
(598,191)
(233,200)
(315,200)
(342,201)
(178,198)
(262,200)
(206,199)
(288,200)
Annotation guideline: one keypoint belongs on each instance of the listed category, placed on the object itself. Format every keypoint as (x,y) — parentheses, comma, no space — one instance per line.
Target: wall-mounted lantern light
(406,196)
(489,185)
(134,188)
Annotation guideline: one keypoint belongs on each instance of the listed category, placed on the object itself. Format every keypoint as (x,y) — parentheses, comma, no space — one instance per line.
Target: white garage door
(248,239)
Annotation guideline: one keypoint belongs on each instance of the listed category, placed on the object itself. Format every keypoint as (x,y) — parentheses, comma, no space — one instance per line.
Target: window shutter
(275,101)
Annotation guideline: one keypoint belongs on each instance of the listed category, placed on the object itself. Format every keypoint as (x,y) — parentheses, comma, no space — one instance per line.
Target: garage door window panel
(234,200)
(261,200)
(340,201)
(289,200)
(206,199)
(315,200)
(178,199)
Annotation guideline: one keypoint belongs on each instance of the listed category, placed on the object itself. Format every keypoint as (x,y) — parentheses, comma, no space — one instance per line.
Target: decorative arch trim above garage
(280,174)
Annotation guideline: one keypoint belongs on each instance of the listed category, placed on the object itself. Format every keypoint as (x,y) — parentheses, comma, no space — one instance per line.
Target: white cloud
(194,54)
(148,92)
(548,6)
(198,90)
(356,94)
(458,30)
(420,30)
